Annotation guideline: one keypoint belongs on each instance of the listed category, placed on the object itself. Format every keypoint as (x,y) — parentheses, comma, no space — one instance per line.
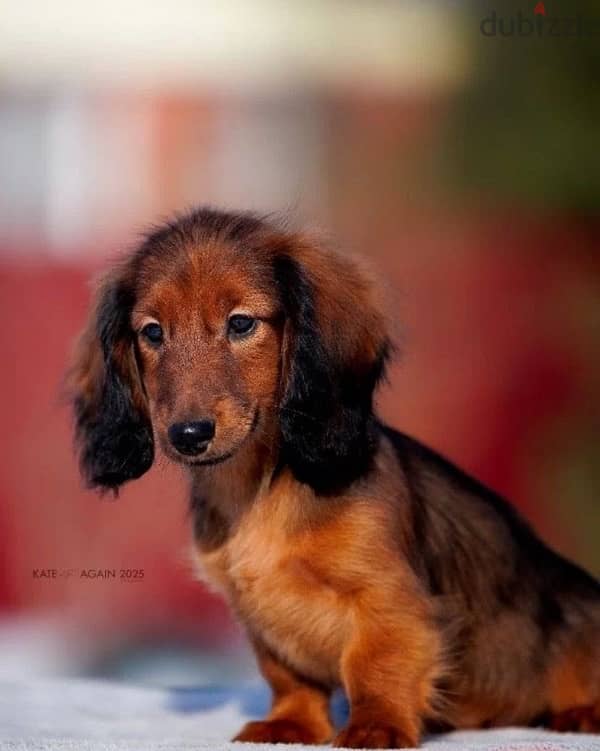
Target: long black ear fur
(112,426)
(328,429)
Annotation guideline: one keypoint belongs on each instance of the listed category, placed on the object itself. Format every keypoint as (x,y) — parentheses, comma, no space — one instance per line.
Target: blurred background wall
(464,164)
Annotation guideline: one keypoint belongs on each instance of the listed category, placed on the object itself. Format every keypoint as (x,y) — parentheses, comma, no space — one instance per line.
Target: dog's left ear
(335,351)
(112,426)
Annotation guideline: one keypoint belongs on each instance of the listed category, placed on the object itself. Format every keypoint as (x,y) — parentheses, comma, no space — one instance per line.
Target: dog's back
(512,609)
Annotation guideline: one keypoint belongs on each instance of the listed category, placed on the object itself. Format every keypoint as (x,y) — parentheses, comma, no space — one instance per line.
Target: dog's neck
(222,493)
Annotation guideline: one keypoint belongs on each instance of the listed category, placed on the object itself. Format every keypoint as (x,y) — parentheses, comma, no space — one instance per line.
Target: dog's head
(222,330)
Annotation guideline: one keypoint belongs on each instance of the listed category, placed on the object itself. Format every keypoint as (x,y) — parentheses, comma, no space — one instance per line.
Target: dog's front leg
(299,712)
(387,670)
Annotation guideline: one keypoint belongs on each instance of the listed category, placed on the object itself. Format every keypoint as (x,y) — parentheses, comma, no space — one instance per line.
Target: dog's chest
(285,601)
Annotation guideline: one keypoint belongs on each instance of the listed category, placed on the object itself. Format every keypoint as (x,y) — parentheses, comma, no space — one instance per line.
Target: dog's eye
(240,325)
(153,334)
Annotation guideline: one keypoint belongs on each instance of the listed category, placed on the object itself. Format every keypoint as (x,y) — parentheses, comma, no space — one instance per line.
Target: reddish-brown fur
(386,571)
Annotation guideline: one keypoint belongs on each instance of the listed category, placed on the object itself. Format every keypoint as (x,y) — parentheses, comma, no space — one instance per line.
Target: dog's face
(220,332)
(208,333)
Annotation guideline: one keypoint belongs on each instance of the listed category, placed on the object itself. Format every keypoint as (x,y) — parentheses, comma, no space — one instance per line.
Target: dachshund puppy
(353,555)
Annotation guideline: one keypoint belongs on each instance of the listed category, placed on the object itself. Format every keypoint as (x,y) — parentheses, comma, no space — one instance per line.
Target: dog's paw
(276,731)
(373,735)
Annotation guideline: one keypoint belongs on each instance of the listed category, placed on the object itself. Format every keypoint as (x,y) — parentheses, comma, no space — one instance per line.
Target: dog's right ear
(113,432)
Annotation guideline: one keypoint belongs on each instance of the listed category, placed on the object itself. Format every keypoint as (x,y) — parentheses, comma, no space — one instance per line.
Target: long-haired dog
(353,555)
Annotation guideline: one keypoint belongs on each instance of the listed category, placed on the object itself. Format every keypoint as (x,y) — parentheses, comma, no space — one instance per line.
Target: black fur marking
(521,574)
(210,526)
(326,418)
(115,438)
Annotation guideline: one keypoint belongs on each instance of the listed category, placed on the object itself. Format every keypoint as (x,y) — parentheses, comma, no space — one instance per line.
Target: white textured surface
(83,715)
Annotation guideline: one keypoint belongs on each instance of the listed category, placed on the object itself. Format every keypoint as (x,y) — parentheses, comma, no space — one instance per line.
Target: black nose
(191,438)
